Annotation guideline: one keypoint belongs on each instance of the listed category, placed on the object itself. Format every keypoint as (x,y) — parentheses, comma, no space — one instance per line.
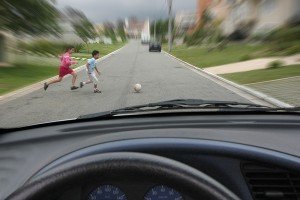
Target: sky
(110,10)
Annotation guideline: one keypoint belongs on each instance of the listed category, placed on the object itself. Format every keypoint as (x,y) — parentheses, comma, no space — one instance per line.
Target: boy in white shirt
(90,69)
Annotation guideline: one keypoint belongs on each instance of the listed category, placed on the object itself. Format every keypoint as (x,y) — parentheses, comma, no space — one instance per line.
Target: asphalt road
(162,78)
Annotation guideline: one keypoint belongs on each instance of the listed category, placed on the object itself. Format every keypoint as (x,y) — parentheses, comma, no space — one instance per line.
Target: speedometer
(107,192)
(162,192)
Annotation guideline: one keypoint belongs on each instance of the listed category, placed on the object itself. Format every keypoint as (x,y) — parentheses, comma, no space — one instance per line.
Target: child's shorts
(64,71)
(93,77)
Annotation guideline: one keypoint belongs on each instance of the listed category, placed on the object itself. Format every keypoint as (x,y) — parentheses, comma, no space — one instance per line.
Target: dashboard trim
(209,147)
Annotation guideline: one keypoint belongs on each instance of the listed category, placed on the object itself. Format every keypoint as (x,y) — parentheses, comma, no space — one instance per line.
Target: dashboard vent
(271,183)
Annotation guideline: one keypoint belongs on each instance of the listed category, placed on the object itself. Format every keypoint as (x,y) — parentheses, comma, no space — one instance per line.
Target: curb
(31,88)
(257,94)
(77,58)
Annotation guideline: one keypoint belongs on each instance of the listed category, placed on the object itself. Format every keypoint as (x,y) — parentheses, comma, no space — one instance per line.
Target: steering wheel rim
(191,181)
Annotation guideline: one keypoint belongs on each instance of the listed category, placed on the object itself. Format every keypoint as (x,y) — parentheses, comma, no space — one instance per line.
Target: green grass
(12,78)
(34,60)
(82,55)
(201,57)
(103,48)
(263,74)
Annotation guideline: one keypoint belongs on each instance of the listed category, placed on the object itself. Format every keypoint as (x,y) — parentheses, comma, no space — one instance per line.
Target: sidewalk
(249,65)
(286,90)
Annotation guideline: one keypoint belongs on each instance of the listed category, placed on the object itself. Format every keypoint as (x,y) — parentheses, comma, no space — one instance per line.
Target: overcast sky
(102,10)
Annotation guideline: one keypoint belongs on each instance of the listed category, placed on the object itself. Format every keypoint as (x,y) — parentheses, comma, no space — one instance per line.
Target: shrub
(45,47)
(78,47)
(294,21)
(292,50)
(275,64)
(42,47)
(245,57)
(242,31)
(285,48)
(237,35)
(196,38)
(285,35)
(259,37)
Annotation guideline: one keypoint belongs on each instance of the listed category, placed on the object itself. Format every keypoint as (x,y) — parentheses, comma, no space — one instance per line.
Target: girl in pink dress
(64,69)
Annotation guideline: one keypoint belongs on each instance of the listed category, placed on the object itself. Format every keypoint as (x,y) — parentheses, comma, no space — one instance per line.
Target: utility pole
(170,25)
(154,30)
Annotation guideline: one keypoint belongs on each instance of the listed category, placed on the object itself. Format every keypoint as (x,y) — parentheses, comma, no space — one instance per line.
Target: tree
(33,17)
(82,25)
(85,30)
(161,28)
(109,31)
(120,30)
(208,32)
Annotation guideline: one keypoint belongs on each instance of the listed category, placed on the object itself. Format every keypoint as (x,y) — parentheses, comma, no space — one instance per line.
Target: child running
(64,69)
(90,69)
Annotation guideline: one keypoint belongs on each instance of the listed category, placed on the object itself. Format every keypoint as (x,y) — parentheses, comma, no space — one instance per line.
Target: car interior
(154,156)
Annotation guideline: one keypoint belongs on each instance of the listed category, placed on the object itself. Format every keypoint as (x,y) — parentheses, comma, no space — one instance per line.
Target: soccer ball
(137,87)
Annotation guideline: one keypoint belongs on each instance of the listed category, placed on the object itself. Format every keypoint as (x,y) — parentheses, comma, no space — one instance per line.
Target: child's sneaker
(74,87)
(81,84)
(97,91)
(45,86)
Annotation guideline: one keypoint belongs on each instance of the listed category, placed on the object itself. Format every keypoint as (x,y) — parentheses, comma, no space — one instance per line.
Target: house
(203,5)
(184,21)
(259,15)
(134,28)
(275,13)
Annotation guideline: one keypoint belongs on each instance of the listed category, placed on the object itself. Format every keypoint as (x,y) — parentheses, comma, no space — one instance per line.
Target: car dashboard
(255,156)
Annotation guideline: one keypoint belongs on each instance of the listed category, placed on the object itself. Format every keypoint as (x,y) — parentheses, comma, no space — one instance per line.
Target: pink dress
(65,63)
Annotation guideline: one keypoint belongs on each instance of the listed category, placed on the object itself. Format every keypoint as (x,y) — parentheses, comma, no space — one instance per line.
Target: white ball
(137,87)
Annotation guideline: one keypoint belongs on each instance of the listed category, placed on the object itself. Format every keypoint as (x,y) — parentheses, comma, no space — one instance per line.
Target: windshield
(64,59)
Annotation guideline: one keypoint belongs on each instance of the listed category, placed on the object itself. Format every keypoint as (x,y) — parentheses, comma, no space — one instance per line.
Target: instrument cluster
(112,192)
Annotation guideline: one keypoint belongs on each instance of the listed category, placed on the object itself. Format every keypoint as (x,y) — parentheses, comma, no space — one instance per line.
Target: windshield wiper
(203,104)
(194,104)
(191,103)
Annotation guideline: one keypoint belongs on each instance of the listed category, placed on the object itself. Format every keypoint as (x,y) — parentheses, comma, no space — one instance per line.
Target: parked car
(155,46)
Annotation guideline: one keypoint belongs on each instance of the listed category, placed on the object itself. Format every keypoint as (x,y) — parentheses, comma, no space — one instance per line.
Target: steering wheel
(119,164)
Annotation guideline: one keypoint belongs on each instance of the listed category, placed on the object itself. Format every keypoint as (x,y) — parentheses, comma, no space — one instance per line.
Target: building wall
(184,21)
(202,6)
(275,13)
(268,14)
(134,29)
(219,9)
(243,12)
